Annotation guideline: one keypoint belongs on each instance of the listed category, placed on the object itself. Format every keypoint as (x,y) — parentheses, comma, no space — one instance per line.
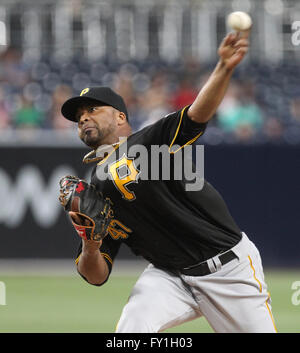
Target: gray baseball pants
(234,298)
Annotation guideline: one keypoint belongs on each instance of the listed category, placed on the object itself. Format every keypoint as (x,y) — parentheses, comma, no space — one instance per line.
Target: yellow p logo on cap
(84,91)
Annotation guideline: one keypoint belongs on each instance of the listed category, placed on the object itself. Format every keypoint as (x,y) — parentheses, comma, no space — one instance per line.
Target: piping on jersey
(176,133)
(114,149)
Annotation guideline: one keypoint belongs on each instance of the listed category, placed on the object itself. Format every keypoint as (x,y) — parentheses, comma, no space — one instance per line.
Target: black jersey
(159,219)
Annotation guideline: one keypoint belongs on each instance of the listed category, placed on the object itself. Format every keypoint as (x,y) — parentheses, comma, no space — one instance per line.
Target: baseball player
(201,263)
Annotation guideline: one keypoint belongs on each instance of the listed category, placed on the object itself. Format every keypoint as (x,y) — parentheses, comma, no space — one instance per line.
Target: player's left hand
(233,49)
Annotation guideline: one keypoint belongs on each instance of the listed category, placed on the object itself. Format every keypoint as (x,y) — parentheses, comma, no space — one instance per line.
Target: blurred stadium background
(156,54)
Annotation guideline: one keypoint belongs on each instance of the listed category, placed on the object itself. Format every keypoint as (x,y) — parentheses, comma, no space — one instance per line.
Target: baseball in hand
(239,21)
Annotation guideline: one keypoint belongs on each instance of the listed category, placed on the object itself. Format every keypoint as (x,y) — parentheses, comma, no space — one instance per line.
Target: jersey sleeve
(182,130)
(175,129)
(108,250)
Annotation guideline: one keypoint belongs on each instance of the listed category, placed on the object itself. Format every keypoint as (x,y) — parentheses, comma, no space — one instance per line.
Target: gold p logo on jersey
(84,91)
(122,180)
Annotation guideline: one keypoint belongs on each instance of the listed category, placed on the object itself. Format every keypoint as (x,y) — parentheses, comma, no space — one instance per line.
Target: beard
(92,138)
(95,137)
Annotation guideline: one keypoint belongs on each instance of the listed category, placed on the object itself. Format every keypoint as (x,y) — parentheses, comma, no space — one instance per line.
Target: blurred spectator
(28,116)
(5,121)
(155,102)
(239,113)
(231,99)
(185,94)
(295,110)
(124,87)
(12,70)
(273,129)
(60,95)
(292,132)
(4,118)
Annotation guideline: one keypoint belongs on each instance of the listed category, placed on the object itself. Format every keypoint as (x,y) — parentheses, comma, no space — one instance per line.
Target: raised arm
(231,52)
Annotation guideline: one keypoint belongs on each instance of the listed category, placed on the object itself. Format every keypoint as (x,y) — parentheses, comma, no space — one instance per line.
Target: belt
(204,269)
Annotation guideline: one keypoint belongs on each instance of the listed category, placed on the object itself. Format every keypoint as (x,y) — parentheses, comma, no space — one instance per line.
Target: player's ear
(121,118)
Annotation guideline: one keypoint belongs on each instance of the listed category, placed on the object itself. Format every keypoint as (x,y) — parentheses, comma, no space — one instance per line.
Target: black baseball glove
(90,212)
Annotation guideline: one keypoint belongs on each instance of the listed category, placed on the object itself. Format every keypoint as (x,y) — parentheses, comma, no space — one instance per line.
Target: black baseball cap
(103,95)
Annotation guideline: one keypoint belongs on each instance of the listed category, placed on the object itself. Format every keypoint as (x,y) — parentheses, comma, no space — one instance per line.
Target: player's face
(96,124)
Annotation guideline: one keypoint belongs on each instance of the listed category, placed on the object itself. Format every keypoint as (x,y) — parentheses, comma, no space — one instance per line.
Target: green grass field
(67,304)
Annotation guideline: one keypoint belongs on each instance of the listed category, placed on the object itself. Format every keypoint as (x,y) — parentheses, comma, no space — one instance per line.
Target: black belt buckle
(202,269)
